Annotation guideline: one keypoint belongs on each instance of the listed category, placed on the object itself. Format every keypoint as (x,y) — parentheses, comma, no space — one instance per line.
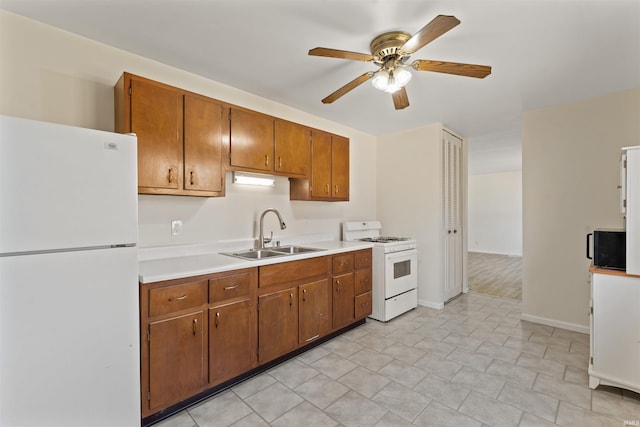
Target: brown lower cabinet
(343,289)
(343,305)
(314,311)
(277,324)
(230,344)
(173,343)
(196,332)
(176,359)
(200,332)
(362,282)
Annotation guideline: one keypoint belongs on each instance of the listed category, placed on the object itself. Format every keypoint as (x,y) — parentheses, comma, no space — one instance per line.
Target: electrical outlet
(176,227)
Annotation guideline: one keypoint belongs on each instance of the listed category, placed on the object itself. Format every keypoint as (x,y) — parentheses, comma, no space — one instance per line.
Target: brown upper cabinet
(262,143)
(292,149)
(251,141)
(179,137)
(329,178)
(186,143)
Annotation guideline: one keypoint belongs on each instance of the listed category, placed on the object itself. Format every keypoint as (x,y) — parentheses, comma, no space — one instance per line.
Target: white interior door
(452,217)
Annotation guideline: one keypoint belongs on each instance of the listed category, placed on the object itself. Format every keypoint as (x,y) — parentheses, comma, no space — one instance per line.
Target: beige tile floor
(474,363)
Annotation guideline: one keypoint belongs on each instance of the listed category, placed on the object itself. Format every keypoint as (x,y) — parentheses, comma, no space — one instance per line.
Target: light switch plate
(176,227)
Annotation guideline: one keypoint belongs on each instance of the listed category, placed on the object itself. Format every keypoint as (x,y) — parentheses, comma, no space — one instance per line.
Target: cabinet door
(342,263)
(633,211)
(362,281)
(452,208)
(230,344)
(320,164)
(363,305)
(156,119)
(363,258)
(616,329)
(251,140)
(340,167)
(202,144)
(313,311)
(176,359)
(277,324)
(292,148)
(343,300)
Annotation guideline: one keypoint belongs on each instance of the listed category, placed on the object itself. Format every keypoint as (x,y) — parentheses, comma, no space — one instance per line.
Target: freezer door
(69,339)
(65,187)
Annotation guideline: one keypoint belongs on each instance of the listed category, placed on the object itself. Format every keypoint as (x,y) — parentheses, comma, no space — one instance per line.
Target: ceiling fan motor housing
(387,46)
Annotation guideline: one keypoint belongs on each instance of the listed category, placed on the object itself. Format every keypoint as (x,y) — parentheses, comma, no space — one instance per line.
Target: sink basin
(294,249)
(257,254)
(254,254)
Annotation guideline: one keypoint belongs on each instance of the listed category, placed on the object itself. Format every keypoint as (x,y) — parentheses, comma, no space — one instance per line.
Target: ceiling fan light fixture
(381,80)
(402,76)
(391,80)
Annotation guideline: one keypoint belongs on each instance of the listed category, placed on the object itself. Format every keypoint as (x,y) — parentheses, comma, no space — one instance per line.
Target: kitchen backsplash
(235,217)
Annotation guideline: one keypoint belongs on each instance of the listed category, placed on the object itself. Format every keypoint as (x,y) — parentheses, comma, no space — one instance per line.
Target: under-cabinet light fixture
(247,178)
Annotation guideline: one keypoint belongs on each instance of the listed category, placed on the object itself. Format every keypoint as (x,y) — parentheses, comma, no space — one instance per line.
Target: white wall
(570,173)
(495,152)
(52,75)
(410,198)
(495,213)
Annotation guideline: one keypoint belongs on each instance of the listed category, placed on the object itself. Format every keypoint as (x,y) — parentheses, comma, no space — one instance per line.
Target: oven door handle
(411,253)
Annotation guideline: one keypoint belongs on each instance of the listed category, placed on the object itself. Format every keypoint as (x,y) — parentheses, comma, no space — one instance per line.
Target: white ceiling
(542,52)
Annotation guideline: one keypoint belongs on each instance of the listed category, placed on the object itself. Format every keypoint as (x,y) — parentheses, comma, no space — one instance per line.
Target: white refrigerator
(69,334)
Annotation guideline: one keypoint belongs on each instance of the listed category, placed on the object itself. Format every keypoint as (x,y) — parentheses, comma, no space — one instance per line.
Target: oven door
(401,272)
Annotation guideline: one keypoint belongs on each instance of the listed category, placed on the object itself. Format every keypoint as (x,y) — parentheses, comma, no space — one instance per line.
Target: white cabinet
(451,214)
(615,331)
(632,188)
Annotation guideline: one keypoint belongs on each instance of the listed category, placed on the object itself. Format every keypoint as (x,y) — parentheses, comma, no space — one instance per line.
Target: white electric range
(395,269)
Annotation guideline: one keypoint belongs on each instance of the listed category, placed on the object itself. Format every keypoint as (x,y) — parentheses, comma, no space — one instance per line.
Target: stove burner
(383,239)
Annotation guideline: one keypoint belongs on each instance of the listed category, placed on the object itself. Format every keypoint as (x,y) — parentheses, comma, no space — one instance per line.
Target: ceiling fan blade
(348,87)
(400,99)
(468,70)
(341,54)
(434,29)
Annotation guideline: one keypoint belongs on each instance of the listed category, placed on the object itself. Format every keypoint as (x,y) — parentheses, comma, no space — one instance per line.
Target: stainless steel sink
(254,254)
(295,249)
(257,254)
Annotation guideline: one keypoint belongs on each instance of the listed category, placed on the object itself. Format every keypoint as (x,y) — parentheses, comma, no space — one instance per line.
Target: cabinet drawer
(362,281)
(362,258)
(229,287)
(175,298)
(363,305)
(342,263)
(288,272)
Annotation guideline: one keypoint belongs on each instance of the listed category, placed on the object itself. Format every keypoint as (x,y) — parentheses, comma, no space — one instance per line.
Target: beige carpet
(496,275)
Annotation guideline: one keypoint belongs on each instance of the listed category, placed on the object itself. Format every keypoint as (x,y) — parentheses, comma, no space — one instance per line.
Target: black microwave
(609,248)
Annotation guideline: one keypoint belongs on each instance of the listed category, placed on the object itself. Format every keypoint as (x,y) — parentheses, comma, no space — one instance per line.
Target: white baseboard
(431,304)
(555,323)
(492,252)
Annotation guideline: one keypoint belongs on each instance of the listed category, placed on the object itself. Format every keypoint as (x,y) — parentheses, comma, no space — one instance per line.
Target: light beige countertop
(176,262)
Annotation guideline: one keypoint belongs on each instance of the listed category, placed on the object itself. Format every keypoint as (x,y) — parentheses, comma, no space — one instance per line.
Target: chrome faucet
(263,239)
